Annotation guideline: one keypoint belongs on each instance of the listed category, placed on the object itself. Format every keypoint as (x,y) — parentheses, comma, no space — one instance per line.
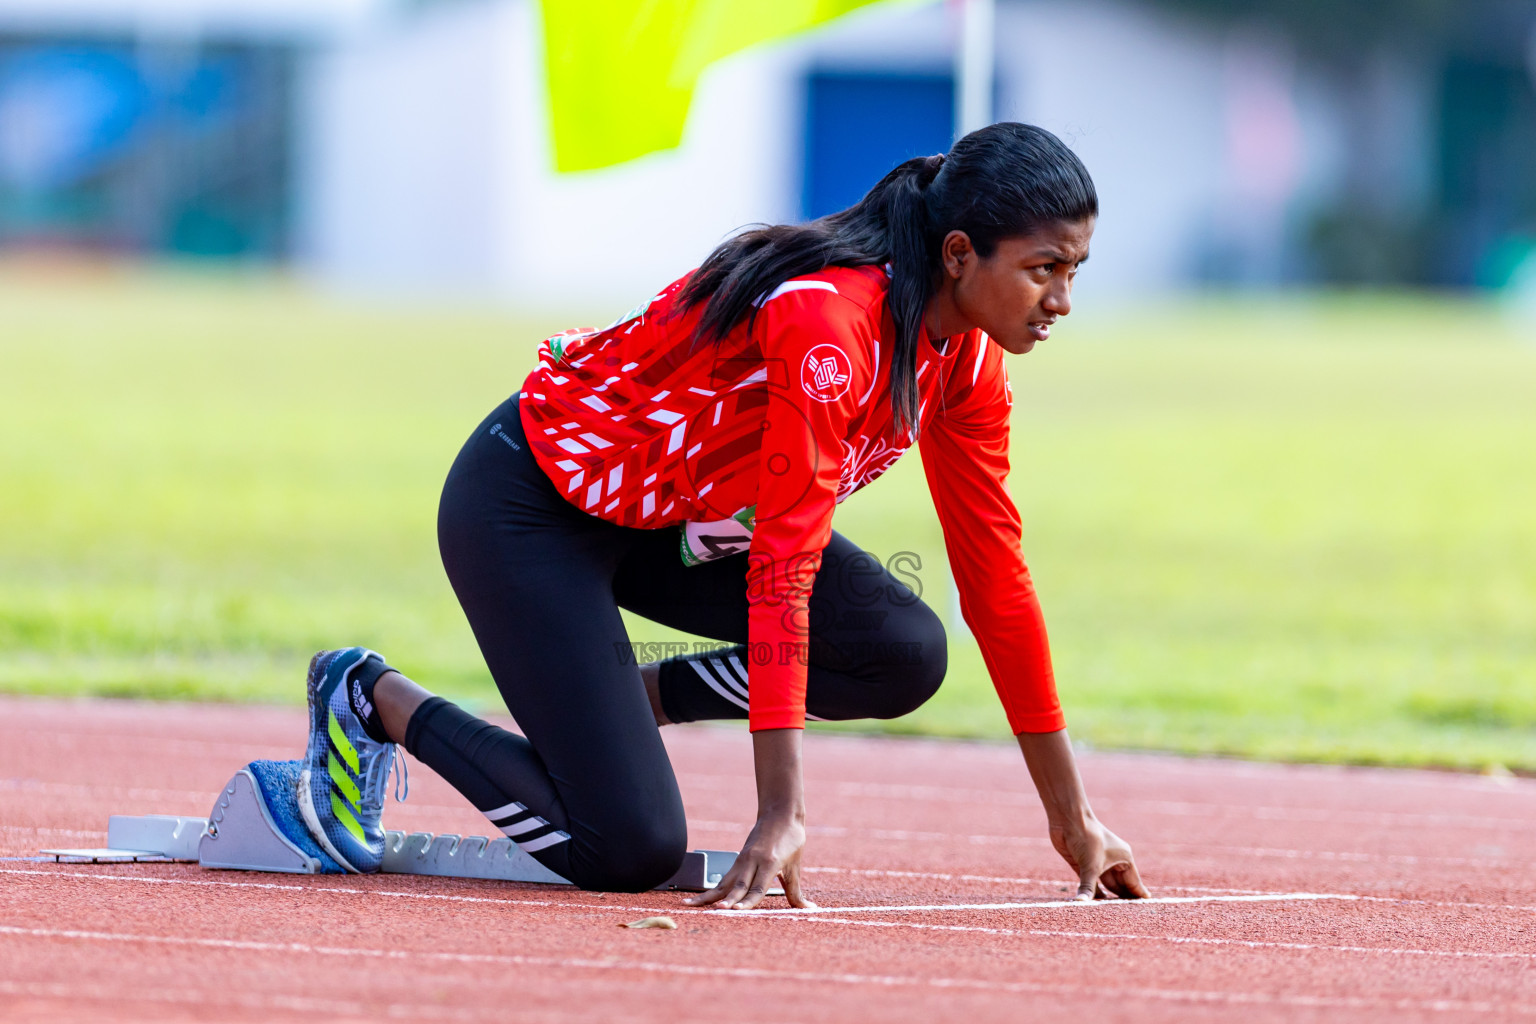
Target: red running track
(1285,893)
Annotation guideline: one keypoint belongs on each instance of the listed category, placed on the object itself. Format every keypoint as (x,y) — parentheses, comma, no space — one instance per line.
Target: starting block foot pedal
(105,855)
(144,838)
(172,836)
(256,826)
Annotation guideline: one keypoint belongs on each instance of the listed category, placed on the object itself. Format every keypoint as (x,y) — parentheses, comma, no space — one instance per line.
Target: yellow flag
(621,72)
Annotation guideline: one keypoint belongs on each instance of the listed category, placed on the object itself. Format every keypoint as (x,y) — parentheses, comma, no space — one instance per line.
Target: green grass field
(1289,528)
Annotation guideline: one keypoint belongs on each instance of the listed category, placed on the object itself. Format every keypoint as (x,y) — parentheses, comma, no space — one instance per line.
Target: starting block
(255,826)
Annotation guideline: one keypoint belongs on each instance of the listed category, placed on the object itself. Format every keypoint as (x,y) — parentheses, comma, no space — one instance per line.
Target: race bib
(705,542)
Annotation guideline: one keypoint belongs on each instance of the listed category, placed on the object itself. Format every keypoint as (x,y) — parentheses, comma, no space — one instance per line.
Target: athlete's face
(1016,293)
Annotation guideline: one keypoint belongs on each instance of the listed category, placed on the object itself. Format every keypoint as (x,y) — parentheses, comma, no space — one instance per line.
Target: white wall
(402,165)
(427,163)
(1138,97)
(247,18)
(423,156)
(604,240)
(426,169)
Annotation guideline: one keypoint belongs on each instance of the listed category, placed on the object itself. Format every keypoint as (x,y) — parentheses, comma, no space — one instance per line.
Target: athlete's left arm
(965,457)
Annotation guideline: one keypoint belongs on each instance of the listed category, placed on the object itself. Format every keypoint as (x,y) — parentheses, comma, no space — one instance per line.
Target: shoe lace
(376,777)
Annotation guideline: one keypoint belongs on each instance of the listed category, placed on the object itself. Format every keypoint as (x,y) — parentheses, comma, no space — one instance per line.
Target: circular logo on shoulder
(826,373)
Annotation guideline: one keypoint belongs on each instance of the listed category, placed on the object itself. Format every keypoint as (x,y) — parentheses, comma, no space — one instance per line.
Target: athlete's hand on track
(772,853)
(1101,859)
(774,846)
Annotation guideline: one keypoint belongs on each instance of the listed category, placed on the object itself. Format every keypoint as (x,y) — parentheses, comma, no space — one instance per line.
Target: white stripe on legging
(544,842)
(738,681)
(521,828)
(714,684)
(505,811)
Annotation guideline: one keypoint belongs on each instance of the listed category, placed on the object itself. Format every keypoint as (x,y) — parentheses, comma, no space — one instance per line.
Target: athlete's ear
(955,253)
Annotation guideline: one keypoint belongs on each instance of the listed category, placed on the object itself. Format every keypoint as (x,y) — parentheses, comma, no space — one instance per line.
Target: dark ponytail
(999,182)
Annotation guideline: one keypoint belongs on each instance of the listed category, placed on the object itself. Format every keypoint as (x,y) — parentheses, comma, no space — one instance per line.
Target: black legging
(542,583)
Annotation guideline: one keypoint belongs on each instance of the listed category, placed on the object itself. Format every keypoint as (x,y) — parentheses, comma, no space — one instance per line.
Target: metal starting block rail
(241,834)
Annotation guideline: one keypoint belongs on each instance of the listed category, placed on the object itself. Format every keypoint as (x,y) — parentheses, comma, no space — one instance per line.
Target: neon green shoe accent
(344,815)
(343,781)
(343,745)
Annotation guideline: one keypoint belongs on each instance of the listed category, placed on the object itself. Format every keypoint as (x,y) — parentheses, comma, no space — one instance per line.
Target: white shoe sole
(312,822)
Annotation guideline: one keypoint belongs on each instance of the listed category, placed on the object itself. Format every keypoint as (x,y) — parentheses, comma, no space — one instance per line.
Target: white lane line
(1172,939)
(219,883)
(943,876)
(862,789)
(163,746)
(150,880)
(824,916)
(889,981)
(73,789)
(29,830)
(201,798)
(908,793)
(1278,897)
(227,996)
(1056,883)
(21,784)
(330,890)
(278,886)
(1330,855)
(1321,816)
(912,836)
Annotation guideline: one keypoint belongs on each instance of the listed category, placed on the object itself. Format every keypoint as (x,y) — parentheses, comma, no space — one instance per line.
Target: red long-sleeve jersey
(750,443)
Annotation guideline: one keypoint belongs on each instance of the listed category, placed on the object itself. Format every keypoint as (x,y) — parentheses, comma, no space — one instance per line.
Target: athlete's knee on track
(634,855)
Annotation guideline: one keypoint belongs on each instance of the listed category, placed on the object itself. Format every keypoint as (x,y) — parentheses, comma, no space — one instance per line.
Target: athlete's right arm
(777,840)
(817,355)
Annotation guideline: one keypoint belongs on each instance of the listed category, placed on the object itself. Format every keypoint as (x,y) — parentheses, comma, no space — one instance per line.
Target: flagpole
(974,72)
(974,65)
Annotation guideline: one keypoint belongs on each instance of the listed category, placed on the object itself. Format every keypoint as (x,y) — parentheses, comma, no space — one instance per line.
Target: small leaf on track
(665,923)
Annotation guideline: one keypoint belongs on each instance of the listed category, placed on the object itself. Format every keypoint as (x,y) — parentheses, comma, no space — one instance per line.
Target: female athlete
(684,463)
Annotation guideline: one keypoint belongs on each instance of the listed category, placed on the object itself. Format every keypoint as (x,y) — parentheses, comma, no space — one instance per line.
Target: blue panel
(118,145)
(78,107)
(857,127)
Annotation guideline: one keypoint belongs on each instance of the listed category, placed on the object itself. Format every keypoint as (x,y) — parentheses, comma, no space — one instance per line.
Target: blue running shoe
(277,783)
(341,787)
